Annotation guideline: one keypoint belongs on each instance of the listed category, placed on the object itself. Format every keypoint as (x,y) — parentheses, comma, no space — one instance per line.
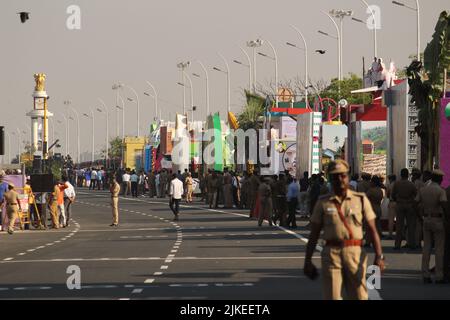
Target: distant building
(368,147)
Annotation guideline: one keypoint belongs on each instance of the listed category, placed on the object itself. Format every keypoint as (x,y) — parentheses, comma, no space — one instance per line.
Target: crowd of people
(416,205)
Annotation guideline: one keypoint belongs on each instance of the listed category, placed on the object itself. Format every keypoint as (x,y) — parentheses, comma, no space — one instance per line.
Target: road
(207,254)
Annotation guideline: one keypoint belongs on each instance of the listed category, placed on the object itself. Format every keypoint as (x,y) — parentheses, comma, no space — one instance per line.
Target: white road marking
(137,291)
(157,273)
(8,259)
(149,280)
(164,267)
(168,261)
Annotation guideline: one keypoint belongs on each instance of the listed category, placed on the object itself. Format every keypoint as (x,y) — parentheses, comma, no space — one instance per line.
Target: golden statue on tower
(40,81)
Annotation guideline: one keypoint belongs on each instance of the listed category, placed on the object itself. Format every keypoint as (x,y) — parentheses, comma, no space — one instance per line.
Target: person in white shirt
(176,192)
(126,179)
(69,198)
(93,179)
(158,191)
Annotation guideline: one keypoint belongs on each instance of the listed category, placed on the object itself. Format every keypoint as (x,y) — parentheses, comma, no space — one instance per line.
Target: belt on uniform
(12,204)
(114,196)
(344,243)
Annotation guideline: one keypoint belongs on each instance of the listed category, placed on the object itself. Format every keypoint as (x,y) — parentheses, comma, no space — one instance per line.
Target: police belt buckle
(344,243)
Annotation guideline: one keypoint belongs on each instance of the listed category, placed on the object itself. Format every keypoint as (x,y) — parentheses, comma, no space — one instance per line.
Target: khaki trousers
(265,210)
(344,268)
(115,209)
(433,229)
(391,217)
(55,214)
(12,212)
(189,192)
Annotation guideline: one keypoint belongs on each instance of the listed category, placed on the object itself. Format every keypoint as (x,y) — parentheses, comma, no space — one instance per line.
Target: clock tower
(39,118)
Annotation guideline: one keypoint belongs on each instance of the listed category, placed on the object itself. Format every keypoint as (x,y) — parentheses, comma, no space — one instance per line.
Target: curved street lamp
(306,61)
(105,108)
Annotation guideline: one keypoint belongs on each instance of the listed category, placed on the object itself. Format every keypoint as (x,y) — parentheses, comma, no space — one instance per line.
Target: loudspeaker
(37,164)
(2,141)
(42,182)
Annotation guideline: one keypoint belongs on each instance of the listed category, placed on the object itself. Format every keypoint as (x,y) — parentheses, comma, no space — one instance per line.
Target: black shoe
(10,231)
(176,218)
(427,280)
(113,225)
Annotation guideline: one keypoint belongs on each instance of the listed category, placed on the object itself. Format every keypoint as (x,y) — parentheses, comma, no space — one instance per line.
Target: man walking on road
(404,193)
(53,205)
(176,193)
(265,202)
(433,202)
(292,200)
(115,190)
(69,198)
(12,207)
(341,215)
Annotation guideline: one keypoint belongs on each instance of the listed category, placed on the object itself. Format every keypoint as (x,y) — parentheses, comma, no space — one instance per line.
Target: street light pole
(306,63)
(192,94)
(254,44)
(182,66)
(137,100)
(107,130)
(78,134)
(249,69)
(207,86)
(341,14)
(417,9)
(338,43)
(155,96)
(375,46)
(67,135)
(93,134)
(228,82)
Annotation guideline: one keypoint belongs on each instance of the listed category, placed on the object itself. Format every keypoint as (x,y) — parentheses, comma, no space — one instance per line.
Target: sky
(135,41)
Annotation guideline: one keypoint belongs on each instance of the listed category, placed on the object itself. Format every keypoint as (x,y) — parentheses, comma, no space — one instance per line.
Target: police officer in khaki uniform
(341,215)
(12,206)
(432,201)
(265,202)
(115,190)
(403,193)
(53,205)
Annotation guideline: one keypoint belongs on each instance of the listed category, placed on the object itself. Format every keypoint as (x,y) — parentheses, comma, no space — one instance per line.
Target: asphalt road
(207,254)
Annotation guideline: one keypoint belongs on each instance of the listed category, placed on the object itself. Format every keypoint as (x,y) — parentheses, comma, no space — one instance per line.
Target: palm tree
(426,86)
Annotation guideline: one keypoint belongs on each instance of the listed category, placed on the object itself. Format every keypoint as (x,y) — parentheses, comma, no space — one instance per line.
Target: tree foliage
(338,90)
(249,118)
(115,149)
(426,87)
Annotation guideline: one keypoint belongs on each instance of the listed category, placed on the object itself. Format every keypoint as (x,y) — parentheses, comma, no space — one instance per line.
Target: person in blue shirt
(292,200)
(3,187)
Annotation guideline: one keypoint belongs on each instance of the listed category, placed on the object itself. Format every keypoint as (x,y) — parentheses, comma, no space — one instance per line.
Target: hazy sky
(137,40)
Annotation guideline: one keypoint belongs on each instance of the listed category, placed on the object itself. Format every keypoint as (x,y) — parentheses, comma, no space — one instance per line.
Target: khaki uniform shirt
(11,197)
(404,191)
(115,190)
(264,191)
(431,197)
(55,194)
(356,207)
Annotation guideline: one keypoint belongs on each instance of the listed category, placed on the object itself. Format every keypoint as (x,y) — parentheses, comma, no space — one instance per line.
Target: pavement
(207,254)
